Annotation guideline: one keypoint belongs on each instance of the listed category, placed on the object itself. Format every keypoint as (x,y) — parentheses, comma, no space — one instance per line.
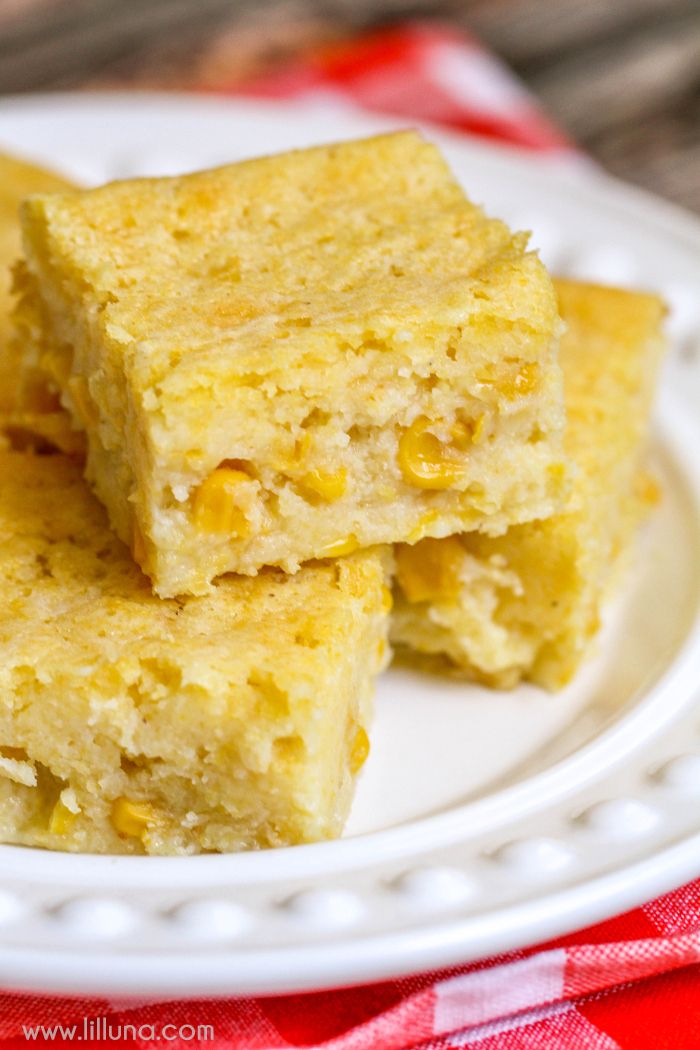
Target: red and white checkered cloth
(632,982)
(423,72)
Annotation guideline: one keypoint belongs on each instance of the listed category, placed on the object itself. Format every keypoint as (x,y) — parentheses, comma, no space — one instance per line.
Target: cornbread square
(526,604)
(30,412)
(129,724)
(296,356)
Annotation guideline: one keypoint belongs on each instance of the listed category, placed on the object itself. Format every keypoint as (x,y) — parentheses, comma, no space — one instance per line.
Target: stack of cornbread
(288,384)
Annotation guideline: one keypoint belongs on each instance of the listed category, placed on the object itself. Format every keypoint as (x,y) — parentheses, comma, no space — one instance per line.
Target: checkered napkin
(632,982)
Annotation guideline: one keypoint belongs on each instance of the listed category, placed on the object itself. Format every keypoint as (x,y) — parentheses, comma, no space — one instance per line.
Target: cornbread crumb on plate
(526,604)
(298,356)
(129,724)
(30,412)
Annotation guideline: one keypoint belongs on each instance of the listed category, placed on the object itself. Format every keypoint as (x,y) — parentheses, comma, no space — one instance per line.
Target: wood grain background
(622,76)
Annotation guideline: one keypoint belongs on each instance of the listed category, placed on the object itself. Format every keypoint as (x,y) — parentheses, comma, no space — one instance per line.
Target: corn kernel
(133,818)
(329,486)
(359,750)
(430,570)
(62,819)
(523,382)
(425,461)
(470,433)
(387,600)
(85,407)
(340,548)
(215,509)
(526,379)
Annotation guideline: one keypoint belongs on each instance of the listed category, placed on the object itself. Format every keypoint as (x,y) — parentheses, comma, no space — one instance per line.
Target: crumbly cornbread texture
(131,724)
(296,356)
(30,412)
(526,604)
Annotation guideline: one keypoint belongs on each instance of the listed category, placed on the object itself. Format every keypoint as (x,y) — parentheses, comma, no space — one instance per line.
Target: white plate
(483,821)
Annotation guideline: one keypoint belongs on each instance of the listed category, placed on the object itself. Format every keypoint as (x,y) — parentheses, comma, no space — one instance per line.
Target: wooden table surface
(622,76)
